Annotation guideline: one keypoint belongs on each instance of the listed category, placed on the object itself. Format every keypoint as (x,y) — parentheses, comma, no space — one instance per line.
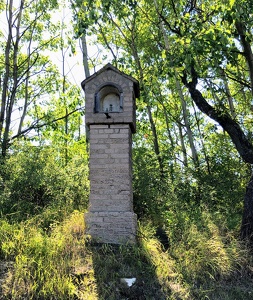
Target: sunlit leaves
(197,32)
(33,80)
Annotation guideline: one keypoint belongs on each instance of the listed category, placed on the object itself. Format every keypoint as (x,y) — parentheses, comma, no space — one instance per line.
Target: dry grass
(62,264)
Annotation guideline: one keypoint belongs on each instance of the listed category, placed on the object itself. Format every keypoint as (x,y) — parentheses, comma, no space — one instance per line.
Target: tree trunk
(180,93)
(7,69)
(202,141)
(238,137)
(241,142)
(185,161)
(11,100)
(246,232)
(85,56)
(228,93)
(246,49)
(187,124)
(155,141)
(87,74)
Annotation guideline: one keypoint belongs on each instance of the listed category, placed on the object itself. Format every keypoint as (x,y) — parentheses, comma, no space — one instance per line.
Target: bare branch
(36,124)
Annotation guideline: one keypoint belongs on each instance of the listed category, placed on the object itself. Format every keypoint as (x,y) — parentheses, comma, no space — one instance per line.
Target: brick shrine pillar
(110,116)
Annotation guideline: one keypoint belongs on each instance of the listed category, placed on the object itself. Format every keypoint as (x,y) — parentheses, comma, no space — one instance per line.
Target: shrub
(33,178)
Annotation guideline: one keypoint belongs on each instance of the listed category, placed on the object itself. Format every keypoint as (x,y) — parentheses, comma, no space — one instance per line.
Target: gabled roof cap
(111,67)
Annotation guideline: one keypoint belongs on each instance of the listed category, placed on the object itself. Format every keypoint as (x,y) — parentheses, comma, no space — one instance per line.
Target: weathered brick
(110,216)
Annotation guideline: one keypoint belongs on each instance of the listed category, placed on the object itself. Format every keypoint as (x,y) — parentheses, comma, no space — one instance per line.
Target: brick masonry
(110,217)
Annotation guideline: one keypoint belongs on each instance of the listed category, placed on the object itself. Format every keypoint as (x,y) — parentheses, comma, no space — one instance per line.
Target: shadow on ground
(6,269)
(112,263)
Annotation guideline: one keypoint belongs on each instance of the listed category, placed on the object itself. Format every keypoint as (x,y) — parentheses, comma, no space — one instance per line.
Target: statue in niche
(110,103)
(108,99)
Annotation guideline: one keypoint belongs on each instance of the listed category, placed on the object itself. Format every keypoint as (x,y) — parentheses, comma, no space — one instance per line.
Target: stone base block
(111,227)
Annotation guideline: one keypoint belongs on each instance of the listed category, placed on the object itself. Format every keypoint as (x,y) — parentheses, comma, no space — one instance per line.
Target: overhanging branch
(240,140)
(36,125)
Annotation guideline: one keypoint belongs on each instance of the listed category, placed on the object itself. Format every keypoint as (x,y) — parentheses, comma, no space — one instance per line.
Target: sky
(73,62)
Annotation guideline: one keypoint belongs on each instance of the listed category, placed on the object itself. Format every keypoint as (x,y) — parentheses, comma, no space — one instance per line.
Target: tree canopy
(194,62)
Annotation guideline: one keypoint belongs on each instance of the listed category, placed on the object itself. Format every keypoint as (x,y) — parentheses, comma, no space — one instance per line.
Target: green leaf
(163,54)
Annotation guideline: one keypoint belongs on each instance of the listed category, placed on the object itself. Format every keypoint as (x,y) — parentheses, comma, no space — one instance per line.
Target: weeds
(58,262)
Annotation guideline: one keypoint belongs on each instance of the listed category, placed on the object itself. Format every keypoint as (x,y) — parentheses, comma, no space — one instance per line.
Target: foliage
(193,60)
(36,97)
(188,176)
(35,178)
(160,200)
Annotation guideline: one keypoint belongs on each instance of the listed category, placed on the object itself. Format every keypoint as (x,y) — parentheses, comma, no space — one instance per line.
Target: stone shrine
(110,116)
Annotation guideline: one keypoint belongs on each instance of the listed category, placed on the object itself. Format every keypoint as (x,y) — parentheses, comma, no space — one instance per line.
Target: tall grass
(42,260)
(59,262)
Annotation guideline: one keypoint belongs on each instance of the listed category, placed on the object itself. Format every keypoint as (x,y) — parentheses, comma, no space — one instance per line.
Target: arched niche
(108,99)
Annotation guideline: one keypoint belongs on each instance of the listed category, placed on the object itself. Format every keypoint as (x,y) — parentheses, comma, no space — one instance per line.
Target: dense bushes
(188,190)
(34,178)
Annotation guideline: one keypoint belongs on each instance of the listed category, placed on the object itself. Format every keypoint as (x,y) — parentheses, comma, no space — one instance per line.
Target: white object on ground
(128,281)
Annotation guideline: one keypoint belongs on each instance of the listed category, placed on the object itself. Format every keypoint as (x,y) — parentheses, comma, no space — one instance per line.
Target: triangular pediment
(116,70)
